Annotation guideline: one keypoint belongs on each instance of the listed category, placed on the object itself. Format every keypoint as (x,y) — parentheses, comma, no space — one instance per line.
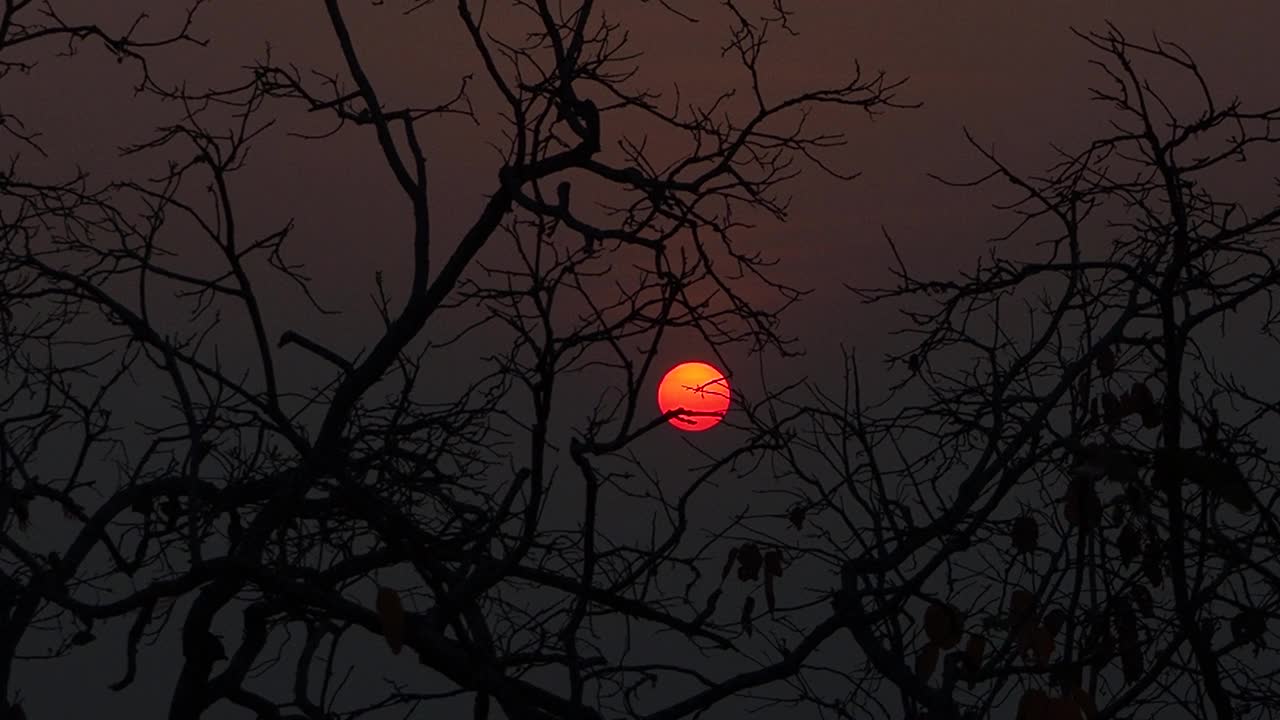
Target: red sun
(698,388)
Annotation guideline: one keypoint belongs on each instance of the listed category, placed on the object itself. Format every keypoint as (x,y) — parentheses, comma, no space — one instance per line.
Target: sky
(1011,72)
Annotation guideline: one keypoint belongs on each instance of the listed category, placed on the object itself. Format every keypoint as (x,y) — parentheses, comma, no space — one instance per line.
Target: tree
(1066,502)
(1064,516)
(268,502)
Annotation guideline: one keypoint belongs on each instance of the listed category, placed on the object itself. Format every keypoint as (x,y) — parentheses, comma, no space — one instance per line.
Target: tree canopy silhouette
(1061,508)
(271,514)
(1090,531)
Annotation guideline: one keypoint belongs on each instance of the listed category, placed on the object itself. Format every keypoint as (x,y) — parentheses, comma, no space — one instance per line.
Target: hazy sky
(1010,71)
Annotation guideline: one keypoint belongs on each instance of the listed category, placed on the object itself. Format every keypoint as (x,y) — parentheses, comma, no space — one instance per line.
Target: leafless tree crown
(1062,509)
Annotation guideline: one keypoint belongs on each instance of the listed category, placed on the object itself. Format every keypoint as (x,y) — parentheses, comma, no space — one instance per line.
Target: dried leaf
(1071,675)
(1208,628)
(1101,648)
(1041,645)
(391,615)
(1153,564)
(1081,506)
(1106,362)
(1222,479)
(1021,606)
(1142,398)
(709,608)
(748,607)
(749,562)
(1034,705)
(1126,624)
(768,591)
(926,661)
(1142,598)
(1210,434)
(1122,467)
(1128,406)
(1248,625)
(1110,407)
(728,565)
(1233,488)
(943,625)
(1131,664)
(974,650)
(773,564)
(796,517)
(1063,709)
(22,510)
(1129,543)
(1054,621)
(1085,702)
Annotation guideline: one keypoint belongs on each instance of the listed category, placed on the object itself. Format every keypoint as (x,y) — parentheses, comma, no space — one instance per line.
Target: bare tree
(270,525)
(1065,504)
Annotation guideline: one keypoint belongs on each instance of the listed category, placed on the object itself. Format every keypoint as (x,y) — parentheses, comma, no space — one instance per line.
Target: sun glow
(697,388)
